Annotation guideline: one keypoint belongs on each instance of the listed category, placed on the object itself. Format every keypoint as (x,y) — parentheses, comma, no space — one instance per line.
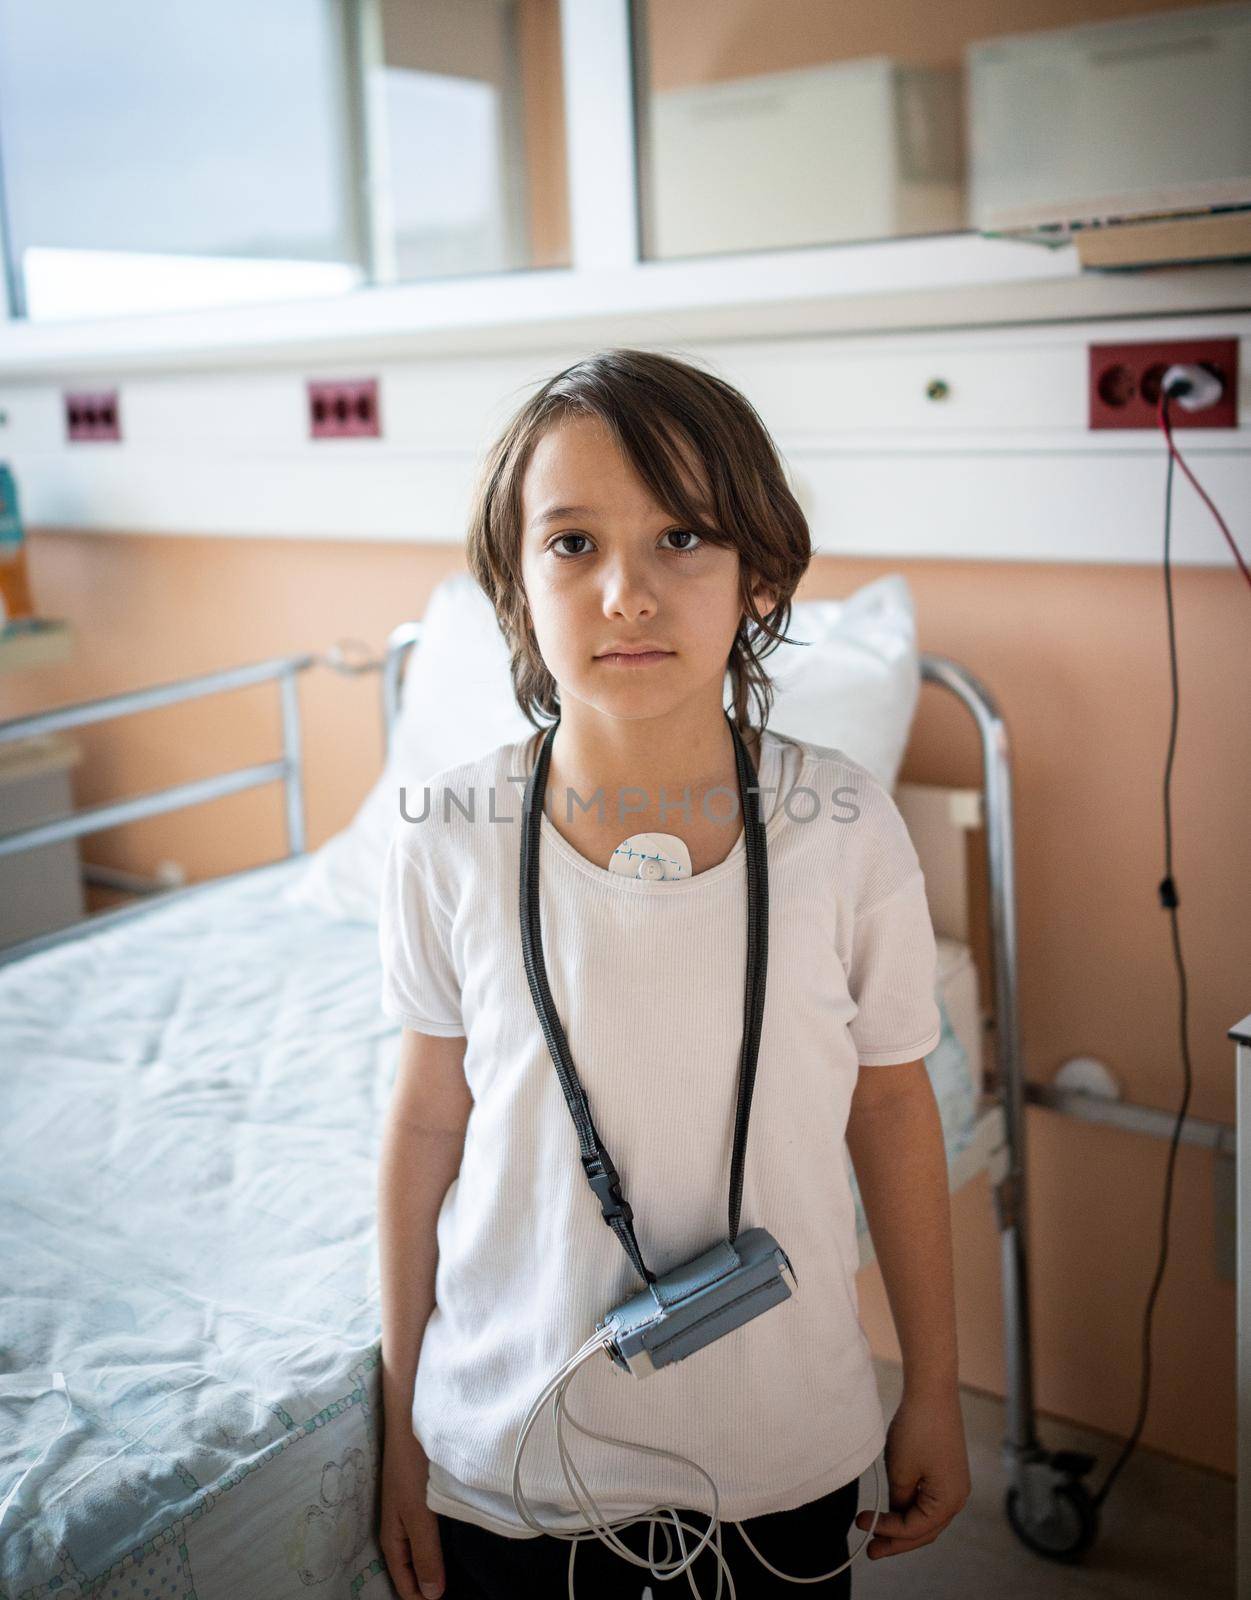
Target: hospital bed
(194,1088)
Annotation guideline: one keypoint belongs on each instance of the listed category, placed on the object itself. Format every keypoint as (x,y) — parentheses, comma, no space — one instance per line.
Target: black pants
(481,1565)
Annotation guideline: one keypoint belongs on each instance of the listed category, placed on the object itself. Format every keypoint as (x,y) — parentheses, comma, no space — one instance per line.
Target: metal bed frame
(1047,1504)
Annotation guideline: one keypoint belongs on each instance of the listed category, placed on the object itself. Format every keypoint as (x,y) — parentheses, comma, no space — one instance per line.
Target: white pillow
(456,703)
(854,685)
(854,688)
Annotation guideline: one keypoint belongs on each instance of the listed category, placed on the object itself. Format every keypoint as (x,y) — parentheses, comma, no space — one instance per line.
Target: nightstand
(41,889)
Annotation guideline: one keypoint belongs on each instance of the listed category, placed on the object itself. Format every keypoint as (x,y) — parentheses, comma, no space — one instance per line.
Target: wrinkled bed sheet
(193,1103)
(192,1108)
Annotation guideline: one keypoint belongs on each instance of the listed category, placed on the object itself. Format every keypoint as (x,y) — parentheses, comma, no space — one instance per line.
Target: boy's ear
(764,597)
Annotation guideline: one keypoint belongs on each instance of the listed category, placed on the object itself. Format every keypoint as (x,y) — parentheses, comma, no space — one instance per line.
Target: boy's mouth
(638,658)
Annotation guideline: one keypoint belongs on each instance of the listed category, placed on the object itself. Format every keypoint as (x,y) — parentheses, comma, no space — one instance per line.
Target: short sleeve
(893,973)
(419,983)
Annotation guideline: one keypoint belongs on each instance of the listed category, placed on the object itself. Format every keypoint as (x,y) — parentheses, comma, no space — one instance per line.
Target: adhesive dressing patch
(651,855)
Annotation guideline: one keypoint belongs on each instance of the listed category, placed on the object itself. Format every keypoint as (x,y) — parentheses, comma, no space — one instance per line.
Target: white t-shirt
(648,980)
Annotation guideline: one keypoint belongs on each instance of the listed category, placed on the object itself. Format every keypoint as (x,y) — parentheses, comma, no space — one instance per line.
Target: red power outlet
(344,410)
(1124,383)
(92,416)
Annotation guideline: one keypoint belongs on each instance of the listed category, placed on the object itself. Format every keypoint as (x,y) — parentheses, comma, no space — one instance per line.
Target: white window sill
(936,281)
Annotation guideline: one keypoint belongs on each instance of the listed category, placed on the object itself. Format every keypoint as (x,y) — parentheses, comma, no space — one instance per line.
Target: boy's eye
(674,533)
(559,539)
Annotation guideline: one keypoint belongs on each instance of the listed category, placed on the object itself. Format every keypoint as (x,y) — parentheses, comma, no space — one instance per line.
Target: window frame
(608,292)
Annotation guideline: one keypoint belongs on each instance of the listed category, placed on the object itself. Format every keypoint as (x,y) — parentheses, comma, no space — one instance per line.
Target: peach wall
(1076,657)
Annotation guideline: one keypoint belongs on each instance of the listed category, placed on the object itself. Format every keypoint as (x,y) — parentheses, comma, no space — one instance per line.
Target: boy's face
(621,569)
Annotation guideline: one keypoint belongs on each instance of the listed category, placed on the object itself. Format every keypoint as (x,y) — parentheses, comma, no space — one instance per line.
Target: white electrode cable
(598,1525)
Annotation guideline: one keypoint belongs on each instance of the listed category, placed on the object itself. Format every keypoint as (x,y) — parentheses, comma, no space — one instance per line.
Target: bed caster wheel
(1070,1526)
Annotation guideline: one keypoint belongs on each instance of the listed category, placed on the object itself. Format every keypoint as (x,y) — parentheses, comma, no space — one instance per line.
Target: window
(158,155)
(473,128)
(163,153)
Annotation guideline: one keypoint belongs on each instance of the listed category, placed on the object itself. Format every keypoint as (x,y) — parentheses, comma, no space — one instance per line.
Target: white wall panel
(1004,468)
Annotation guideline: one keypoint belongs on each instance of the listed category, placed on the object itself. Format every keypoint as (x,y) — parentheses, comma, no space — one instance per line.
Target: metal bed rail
(92,819)
(1027,1461)
(288,770)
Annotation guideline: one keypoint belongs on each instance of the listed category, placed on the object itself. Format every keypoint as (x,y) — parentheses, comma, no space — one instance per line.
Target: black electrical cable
(1169,900)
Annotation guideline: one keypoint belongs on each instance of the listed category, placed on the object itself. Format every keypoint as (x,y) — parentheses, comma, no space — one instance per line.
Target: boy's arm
(422,1144)
(895,1138)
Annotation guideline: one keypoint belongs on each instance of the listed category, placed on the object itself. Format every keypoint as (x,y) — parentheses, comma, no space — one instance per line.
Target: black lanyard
(600,1172)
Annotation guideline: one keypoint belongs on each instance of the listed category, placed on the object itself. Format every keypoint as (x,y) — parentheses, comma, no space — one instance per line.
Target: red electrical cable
(1162,415)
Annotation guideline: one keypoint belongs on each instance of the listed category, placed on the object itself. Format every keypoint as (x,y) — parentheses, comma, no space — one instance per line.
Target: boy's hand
(408,1530)
(927,1471)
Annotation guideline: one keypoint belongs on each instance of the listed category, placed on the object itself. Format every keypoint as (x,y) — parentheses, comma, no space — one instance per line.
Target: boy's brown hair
(659,410)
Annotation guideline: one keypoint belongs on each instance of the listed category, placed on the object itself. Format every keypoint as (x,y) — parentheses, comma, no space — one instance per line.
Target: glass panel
(166,153)
(770,123)
(472,137)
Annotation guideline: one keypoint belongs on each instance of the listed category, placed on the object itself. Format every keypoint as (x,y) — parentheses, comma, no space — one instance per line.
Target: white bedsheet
(193,1102)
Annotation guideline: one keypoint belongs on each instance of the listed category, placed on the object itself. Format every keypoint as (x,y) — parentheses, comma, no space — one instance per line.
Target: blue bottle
(15,600)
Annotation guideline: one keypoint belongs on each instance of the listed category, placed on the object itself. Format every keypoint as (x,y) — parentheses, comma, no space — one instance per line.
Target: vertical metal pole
(400,642)
(1013,1206)
(1021,1439)
(293,783)
(1241,1034)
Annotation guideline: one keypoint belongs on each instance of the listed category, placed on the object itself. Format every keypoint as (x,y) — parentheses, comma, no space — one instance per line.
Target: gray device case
(698,1302)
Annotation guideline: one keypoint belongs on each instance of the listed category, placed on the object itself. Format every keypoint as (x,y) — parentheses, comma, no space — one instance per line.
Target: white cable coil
(600,1529)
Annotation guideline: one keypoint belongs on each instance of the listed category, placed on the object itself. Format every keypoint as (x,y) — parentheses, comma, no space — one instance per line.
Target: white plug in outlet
(1193,386)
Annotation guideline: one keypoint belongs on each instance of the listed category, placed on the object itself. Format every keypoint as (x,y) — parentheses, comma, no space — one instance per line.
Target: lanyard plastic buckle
(604,1179)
